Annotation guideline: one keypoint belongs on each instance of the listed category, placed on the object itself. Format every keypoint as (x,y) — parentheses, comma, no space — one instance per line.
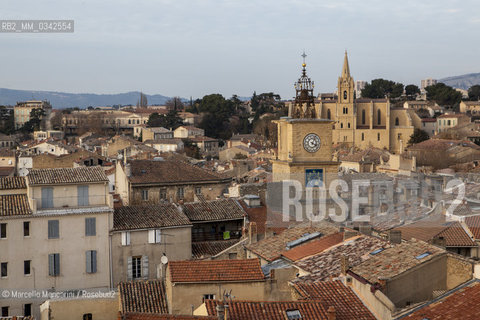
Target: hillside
(462,82)
(60,100)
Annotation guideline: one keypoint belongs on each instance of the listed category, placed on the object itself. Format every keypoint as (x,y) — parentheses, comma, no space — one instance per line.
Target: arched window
(363,116)
(348,125)
(329,115)
(341,125)
(345,94)
(397,122)
(379,117)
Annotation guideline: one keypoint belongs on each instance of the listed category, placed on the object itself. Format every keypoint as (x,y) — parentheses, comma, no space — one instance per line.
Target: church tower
(345,108)
(345,83)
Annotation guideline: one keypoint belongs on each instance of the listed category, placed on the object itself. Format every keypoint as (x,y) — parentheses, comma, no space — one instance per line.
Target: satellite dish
(164,260)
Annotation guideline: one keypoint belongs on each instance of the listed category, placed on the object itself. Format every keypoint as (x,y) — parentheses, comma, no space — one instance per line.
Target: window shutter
(151,236)
(129,268)
(90,226)
(57,264)
(51,265)
(89,261)
(158,236)
(94,261)
(125,238)
(145,267)
(53,229)
(47,197)
(82,192)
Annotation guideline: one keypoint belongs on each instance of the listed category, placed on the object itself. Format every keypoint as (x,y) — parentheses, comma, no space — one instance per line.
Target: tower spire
(346,68)
(304,104)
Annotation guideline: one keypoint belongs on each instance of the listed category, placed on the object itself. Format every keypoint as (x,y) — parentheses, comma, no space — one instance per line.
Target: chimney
(439,241)
(220,310)
(344,264)
(331,313)
(252,233)
(395,236)
(365,229)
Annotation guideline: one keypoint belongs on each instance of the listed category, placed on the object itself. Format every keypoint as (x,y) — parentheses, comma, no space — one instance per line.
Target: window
(53,229)
(232,255)
(91,258)
(4,269)
(27,309)
(82,192)
(90,227)
(363,116)
(163,193)
(47,197)
(341,125)
(180,193)
(26,228)
(329,115)
(363,136)
(3,230)
(4,311)
(348,125)
(293,314)
(154,236)
(144,195)
(54,264)
(397,122)
(448,122)
(208,297)
(136,267)
(379,117)
(26,267)
(399,136)
(378,136)
(125,238)
(345,94)
(423,255)
(87,316)
(198,190)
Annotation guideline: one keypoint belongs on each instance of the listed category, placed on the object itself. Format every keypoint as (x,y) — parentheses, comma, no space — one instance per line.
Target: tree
(443,95)
(411,91)
(175,104)
(474,92)
(418,136)
(35,121)
(142,102)
(171,120)
(381,88)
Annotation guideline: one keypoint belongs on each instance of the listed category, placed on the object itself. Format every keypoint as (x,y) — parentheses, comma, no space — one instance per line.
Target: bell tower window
(345,94)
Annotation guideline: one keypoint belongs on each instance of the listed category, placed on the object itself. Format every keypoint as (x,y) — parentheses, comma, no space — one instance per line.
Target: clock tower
(304,140)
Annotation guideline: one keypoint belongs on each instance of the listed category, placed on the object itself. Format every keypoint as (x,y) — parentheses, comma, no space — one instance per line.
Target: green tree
(35,121)
(411,91)
(418,136)
(171,120)
(443,95)
(7,124)
(474,92)
(381,88)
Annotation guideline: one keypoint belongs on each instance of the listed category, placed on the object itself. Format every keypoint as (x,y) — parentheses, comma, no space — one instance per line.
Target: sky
(192,48)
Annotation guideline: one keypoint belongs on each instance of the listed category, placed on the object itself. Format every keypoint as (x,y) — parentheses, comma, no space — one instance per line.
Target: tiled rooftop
(9,183)
(328,263)
(272,247)
(153,316)
(268,310)
(335,293)
(313,247)
(148,216)
(205,249)
(214,210)
(143,296)
(461,304)
(170,172)
(66,175)
(14,205)
(391,262)
(473,224)
(215,270)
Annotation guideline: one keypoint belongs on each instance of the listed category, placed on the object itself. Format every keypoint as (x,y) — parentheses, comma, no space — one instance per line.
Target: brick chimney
(395,236)
(252,233)
(220,310)
(331,313)
(344,264)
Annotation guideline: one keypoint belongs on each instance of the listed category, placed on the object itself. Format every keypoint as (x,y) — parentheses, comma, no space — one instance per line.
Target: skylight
(423,255)
(293,314)
(376,251)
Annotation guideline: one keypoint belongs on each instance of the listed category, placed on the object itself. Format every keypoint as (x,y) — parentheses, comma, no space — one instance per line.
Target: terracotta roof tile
(153,316)
(215,270)
(14,205)
(270,310)
(205,249)
(66,175)
(335,293)
(170,172)
(461,304)
(272,247)
(9,183)
(148,216)
(313,247)
(223,209)
(143,296)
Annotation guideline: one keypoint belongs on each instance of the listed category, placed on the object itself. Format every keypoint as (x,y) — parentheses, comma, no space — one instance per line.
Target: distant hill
(462,82)
(61,100)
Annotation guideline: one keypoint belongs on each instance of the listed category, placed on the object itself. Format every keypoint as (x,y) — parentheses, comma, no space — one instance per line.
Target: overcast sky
(192,48)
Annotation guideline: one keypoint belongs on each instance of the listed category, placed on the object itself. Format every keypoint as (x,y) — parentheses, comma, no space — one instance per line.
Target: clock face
(311,142)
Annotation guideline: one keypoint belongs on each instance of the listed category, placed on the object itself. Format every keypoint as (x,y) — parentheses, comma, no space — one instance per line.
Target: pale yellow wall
(101,309)
(7,161)
(122,186)
(176,243)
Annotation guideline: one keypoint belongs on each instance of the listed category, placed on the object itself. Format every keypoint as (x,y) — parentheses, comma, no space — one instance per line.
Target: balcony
(198,236)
